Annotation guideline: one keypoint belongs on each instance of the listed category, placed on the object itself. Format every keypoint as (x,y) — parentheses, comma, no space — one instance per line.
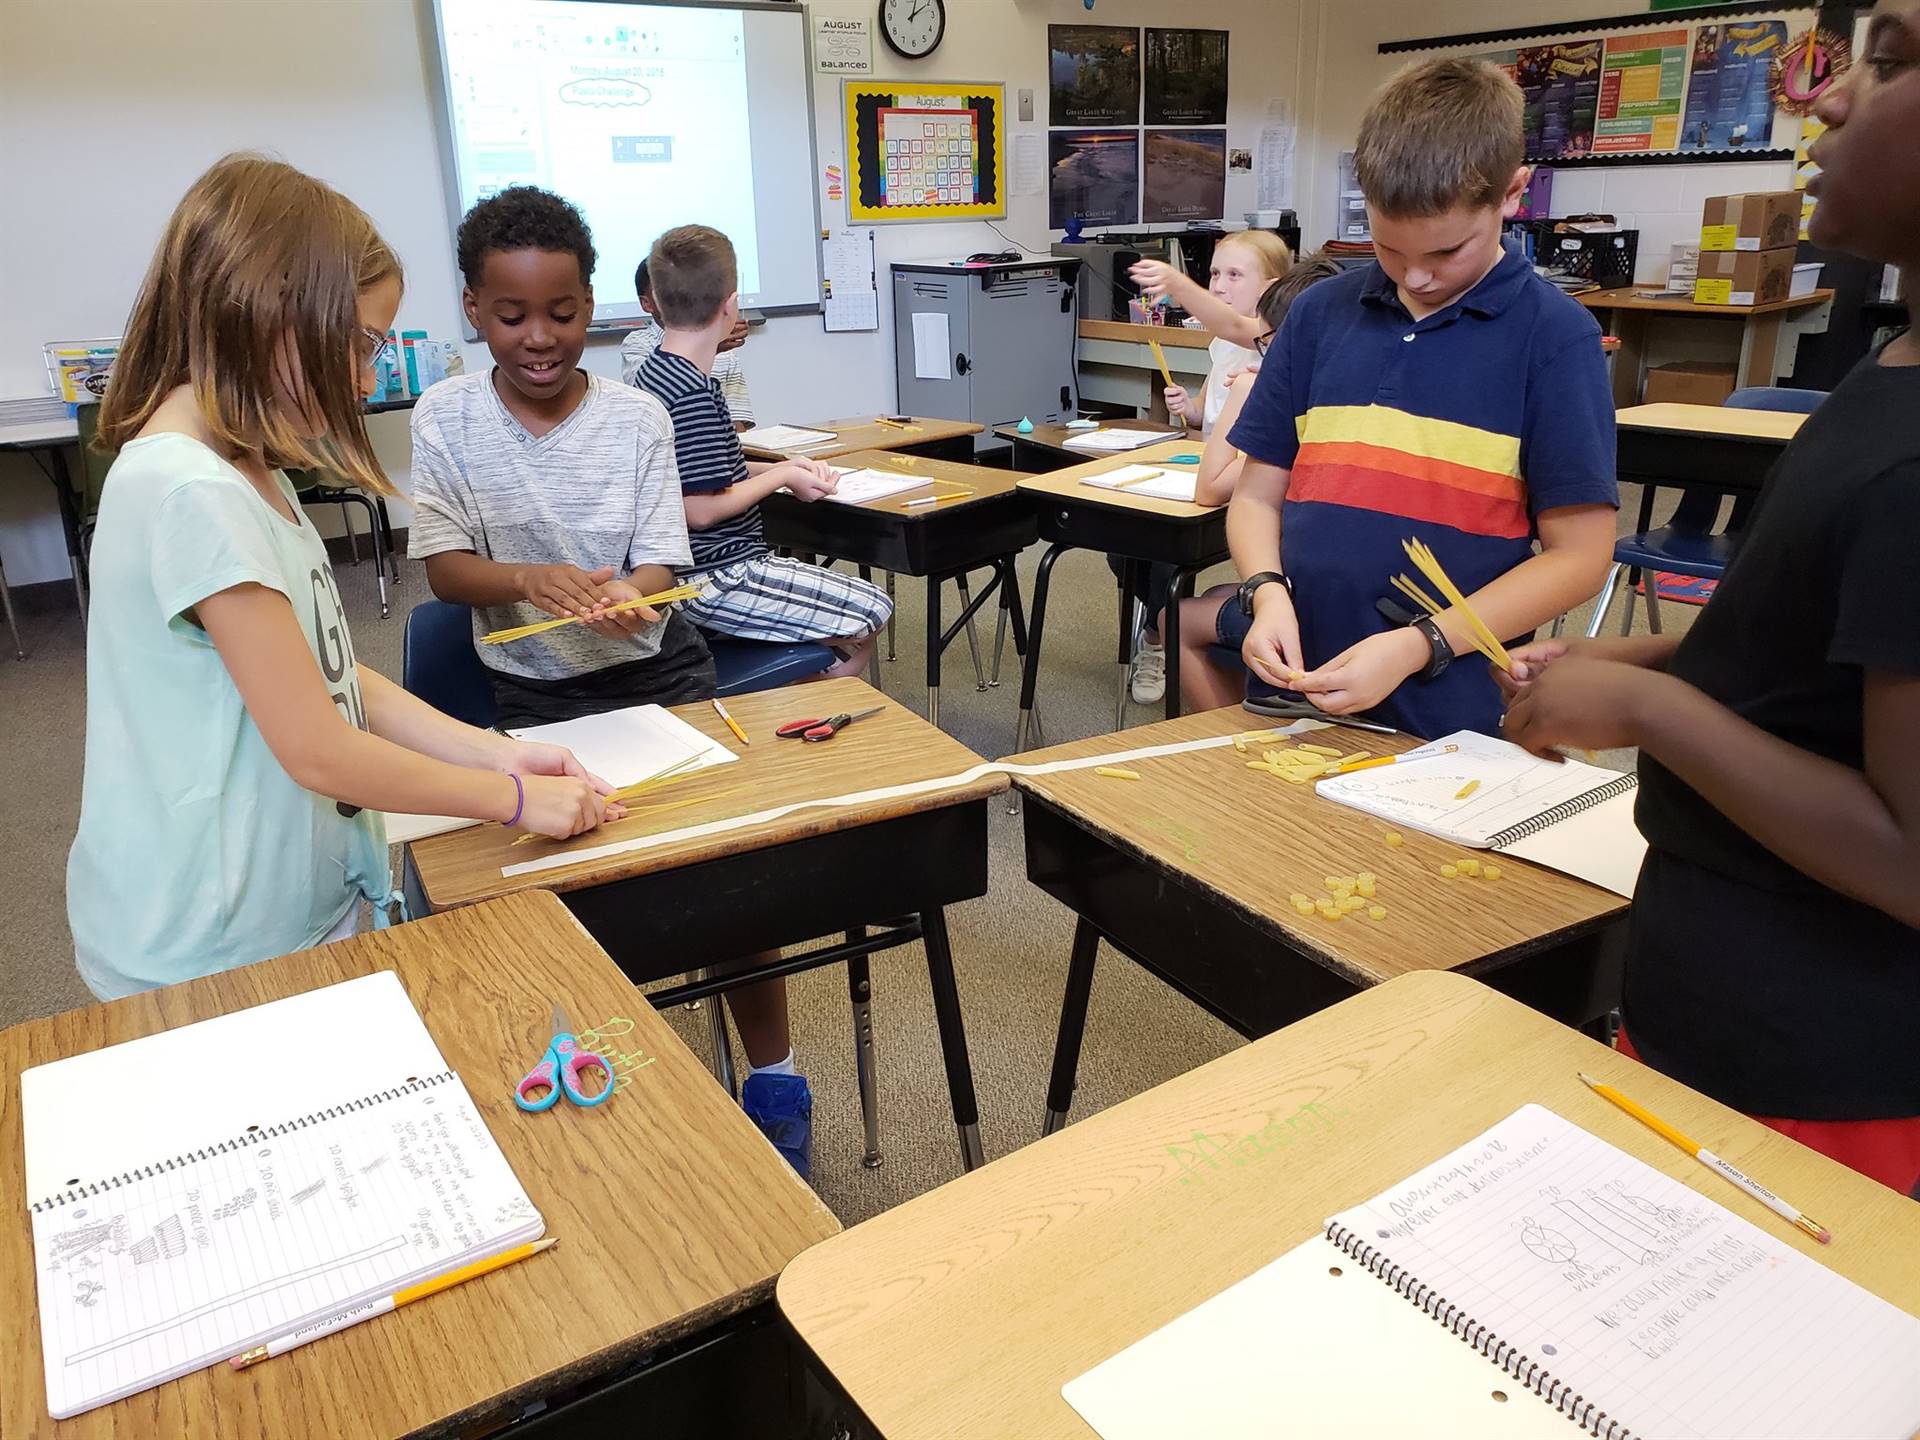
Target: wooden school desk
(944,541)
(1699,447)
(1187,872)
(959,1315)
(674,1216)
(1077,516)
(1045,447)
(921,435)
(704,901)
(1768,334)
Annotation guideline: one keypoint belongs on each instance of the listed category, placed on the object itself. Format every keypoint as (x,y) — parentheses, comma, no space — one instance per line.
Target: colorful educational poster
(1186,77)
(1730,90)
(1093,177)
(929,152)
(1811,129)
(1562,86)
(1642,81)
(1185,176)
(1093,75)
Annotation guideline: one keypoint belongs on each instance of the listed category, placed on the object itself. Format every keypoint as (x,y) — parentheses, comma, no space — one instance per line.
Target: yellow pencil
(1388,760)
(936,499)
(1707,1158)
(732,724)
(391,1302)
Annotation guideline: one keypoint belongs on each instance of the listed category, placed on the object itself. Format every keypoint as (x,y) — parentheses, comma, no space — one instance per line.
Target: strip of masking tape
(564,858)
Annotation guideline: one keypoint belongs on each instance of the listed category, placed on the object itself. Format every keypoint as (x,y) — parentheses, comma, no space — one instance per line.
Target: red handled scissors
(822,729)
(559,1072)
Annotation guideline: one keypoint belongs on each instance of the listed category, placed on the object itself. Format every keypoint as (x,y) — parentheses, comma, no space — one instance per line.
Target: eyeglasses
(382,347)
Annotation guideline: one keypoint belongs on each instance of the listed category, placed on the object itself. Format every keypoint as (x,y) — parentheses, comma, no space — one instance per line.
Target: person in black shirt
(1774,953)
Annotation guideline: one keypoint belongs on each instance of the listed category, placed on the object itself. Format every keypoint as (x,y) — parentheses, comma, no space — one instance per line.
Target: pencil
(936,499)
(394,1301)
(732,724)
(1387,760)
(1712,1161)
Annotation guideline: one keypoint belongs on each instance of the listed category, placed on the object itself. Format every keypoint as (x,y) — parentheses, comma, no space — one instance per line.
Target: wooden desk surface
(860,432)
(672,1211)
(1171,337)
(1718,421)
(892,748)
(961,1313)
(987,482)
(1252,840)
(1658,302)
(1055,437)
(1066,484)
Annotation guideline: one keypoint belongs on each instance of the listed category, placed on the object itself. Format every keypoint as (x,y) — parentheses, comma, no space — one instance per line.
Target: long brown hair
(260,265)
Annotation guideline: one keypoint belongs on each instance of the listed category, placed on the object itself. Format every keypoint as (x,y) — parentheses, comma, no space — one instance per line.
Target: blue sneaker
(782,1106)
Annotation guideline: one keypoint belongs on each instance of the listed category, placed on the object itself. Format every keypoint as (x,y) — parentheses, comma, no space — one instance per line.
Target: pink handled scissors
(559,1071)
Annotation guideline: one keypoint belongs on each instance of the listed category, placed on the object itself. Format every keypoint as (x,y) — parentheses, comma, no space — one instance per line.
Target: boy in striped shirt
(750,593)
(1446,393)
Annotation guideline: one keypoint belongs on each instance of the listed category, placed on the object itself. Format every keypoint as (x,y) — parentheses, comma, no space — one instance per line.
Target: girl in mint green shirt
(236,755)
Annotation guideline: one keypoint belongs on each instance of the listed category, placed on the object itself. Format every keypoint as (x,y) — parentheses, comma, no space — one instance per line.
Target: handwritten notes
(1667,1309)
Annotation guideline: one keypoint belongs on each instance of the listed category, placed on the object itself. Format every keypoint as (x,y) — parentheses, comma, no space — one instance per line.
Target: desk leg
(953,1036)
(1128,569)
(1170,637)
(933,650)
(1073,1025)
(1630,360)
(1009,604)
(892,616)
(13,625)
(1030,670)
(1759,350)
(860,992)
(69,522)
(722,1050)
(973,637)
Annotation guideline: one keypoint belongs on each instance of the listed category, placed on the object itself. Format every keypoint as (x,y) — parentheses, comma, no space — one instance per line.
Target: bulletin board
(929,152)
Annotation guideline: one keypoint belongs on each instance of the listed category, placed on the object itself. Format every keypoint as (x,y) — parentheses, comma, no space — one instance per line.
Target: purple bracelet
(519,799)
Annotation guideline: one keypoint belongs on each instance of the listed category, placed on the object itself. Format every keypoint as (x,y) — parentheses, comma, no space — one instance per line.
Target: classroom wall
(112,107)
(1662,201)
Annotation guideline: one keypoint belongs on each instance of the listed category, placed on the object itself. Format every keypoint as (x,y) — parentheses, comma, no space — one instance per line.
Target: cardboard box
(1743,277)
(1690,382)
(1766,220)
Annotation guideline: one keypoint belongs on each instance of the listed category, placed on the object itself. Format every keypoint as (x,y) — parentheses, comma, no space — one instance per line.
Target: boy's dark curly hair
(523,217)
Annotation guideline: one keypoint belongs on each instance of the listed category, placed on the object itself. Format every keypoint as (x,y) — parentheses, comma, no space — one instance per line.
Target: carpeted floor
(1010,947)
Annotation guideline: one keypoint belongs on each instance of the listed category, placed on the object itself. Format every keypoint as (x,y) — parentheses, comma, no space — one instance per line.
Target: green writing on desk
(1204,1155)
(607,1040)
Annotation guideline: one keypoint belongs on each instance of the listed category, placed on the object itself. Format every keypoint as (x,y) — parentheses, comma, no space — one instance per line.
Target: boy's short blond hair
(1442,136)
(693,271)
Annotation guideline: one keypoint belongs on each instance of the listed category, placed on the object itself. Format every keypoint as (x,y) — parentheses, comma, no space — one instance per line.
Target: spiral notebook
(1535,1282)
(203,1190)
(1487,794)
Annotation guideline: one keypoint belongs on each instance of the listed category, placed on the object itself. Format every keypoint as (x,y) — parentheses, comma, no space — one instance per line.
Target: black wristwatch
(1253,583)
(1441,654)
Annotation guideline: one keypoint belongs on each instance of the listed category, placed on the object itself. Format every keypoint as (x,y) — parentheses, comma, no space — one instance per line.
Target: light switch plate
(1026,104)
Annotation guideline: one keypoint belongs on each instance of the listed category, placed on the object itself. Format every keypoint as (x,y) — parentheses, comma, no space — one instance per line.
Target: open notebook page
(858,487)
(111,1110)
(1601,846)
(1673,1314)
(201,1260)
(1148,480)
(1423,791)
(1109,441)
(1313,1346)
(785,437)
(624,747)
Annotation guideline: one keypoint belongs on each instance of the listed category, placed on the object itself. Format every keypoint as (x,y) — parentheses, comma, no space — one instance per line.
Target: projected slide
(642,115)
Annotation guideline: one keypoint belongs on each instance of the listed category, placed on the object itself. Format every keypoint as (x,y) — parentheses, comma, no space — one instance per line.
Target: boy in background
(750,593)
(540,489)
(728,373)
(1445,392)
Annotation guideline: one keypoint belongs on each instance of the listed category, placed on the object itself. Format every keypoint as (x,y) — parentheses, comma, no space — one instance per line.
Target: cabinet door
(1023,350)
(930,335)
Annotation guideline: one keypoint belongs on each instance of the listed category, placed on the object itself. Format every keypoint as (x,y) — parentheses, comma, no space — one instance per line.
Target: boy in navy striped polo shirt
(751,593)
(1445,392)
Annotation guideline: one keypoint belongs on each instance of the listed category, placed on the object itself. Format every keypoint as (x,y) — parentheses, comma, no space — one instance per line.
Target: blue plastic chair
(439,663)
(1687,544)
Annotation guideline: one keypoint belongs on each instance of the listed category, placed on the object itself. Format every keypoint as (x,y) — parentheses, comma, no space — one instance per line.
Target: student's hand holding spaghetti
(1272,646)
(1179,403)
(565,591)
(623,624)
(1577,703)
(559,806)
(1363,675)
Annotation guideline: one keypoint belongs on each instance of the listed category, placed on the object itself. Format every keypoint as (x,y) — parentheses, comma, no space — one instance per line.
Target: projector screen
(646,116)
